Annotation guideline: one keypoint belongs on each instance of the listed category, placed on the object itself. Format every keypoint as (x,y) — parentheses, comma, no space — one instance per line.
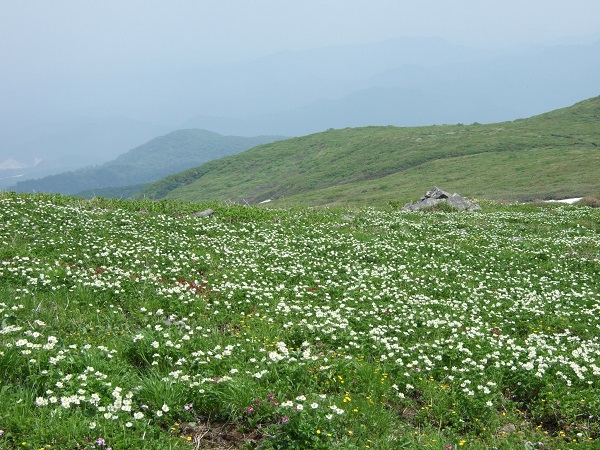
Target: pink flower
(250,410)
(284,420)
(101,441)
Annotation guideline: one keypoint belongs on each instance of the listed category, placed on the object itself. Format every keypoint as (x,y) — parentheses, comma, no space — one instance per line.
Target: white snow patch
(570,201)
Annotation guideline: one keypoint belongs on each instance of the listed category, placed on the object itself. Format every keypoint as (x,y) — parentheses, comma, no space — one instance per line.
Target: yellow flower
(318,431)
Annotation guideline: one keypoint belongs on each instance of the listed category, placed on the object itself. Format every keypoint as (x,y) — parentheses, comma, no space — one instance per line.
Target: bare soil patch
(221,436)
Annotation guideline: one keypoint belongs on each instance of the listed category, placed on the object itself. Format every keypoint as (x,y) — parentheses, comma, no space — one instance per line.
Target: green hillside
(151,161)
(551,155)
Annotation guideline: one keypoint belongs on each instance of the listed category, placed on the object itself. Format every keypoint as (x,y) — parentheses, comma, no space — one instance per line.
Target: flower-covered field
(140,325)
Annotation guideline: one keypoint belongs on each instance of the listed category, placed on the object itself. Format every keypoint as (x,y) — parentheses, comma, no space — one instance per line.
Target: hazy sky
(45,43)
(71,32)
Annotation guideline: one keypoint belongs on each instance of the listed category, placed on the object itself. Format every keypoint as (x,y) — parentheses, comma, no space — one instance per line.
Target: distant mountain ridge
(552,155)
(52,148)
(402,82)
(161,156)
(392,83)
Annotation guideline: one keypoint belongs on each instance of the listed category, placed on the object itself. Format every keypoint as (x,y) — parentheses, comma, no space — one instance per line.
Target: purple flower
(284,420)
(101,441)
(250,410)
(188,407)
(144,406)
(271,396)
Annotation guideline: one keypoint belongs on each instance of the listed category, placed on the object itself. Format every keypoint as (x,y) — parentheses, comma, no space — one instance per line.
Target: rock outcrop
(435,196)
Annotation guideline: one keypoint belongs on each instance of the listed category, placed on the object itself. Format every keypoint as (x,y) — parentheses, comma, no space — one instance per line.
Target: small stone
(205,213)
(508,428)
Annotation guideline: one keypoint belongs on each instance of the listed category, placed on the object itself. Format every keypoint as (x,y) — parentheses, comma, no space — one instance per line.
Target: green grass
(500,177)
(135,324)
(554,154)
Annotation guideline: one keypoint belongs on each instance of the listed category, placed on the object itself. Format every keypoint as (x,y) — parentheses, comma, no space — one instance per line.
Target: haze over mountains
(402,82)
(54,147)
(157,158)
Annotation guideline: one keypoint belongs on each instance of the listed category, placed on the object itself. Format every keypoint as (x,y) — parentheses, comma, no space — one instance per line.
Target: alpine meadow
(140,324)
(282,298)
(300,225)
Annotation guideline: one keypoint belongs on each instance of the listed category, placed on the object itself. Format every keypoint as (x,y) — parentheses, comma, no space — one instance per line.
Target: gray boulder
(205,213)
(436,195)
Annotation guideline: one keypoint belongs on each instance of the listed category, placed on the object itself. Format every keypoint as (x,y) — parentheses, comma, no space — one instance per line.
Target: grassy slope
(553,154)
(503,179)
